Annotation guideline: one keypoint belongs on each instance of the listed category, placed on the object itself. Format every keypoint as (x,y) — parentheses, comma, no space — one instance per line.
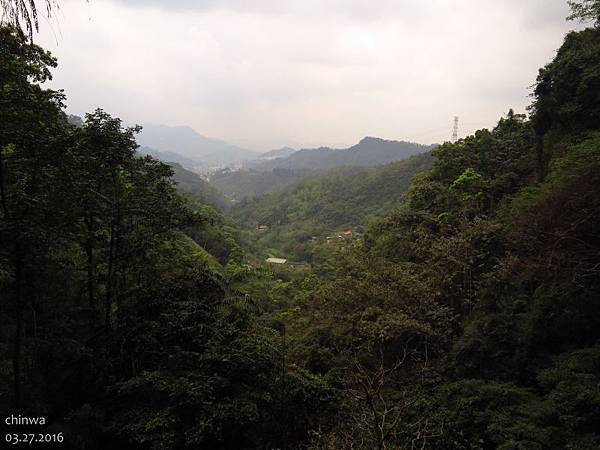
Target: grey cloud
(534,12)
(241,5)
(348,9)
(305,71)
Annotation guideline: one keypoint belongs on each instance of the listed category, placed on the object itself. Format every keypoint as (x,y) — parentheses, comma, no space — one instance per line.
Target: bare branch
(23,14)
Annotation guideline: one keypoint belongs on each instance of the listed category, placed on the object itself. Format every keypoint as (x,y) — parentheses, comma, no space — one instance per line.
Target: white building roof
(276,260)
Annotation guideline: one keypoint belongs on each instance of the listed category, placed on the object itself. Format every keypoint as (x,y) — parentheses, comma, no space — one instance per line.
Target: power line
(455,130)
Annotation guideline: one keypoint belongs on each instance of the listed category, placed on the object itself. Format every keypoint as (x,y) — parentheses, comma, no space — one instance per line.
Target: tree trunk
(109,278)
(113,256)
(18,343)
(2,189)
(539,147)
(89,251)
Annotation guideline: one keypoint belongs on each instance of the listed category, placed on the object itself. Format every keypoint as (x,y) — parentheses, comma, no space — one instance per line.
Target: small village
(342,236)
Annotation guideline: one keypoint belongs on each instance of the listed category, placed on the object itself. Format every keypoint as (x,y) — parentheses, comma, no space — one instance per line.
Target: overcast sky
(268,73)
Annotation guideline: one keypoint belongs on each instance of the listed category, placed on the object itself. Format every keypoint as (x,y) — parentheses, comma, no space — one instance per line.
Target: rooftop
(276,260)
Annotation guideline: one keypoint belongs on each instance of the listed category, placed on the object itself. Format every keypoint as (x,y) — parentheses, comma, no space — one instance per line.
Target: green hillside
(342,198)
(472,313)
(240,184)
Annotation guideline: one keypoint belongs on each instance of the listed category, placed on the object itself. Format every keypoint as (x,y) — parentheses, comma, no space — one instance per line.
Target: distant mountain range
(191,150)
(185,142)
(171,157)
(195,152)
(369,151)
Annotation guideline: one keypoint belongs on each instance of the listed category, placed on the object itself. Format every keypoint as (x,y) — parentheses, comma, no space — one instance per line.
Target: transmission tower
(455,130)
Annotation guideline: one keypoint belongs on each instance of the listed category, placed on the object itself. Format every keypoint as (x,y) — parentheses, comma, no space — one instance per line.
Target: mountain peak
(373,140)
(187,142)
(370,151)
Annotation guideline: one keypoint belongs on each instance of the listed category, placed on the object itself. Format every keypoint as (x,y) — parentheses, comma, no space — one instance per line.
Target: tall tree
(31,138)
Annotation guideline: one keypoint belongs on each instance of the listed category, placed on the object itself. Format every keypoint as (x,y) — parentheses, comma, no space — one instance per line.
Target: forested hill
(342,198)
(368,152)
(170,157)
(272,174)
(239,184)
(472,314)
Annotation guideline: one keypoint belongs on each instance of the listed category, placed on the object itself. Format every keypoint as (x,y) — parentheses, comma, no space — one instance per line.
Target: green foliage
(571,387)
(565,93)
(325,205)
(481,415)
(119,322)
(585,10)
(496,272)
(467,180)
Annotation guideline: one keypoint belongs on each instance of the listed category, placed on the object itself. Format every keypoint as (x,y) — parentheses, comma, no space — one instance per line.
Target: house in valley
(276,260)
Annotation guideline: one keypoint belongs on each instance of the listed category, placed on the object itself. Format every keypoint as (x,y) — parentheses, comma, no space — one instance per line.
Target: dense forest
(134,313)
(301,216)
(242,184)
